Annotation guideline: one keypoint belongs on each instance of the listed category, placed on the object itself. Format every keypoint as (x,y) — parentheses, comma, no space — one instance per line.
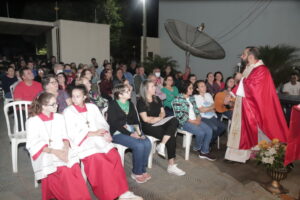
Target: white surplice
(50,133)
(78,128)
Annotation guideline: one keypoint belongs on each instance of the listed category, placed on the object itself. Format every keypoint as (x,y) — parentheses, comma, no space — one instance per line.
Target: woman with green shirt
(171,92)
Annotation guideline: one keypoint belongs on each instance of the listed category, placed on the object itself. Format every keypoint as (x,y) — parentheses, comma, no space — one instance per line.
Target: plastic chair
(12,88)
(229,122)
(187,140)
(121,150)
(18,135)
(153,141)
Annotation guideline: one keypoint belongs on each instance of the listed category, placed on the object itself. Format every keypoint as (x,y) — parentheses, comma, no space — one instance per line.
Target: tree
(280,59)
(111,14)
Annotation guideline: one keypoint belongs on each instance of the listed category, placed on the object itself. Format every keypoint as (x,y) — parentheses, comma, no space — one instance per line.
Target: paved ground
(204,180)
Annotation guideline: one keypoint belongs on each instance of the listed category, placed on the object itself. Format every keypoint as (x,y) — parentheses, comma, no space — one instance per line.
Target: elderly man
(257,112)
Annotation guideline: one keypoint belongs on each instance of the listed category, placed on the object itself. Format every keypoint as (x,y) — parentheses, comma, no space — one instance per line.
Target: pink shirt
(27,93)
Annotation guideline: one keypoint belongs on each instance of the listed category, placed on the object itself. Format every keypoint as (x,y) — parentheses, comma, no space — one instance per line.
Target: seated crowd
(99,106)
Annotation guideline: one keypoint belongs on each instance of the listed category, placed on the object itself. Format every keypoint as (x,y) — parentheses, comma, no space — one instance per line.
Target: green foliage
(112,16)
(280,59)
(158,61)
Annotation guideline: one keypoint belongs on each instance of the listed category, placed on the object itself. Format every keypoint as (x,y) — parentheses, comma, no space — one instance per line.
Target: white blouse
(205,101)
(78,128)
(50,134)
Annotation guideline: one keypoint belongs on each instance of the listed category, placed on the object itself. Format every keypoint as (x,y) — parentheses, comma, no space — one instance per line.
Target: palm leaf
(280,59)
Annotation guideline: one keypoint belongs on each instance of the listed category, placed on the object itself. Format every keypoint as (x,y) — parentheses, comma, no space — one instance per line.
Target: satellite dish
(193,40)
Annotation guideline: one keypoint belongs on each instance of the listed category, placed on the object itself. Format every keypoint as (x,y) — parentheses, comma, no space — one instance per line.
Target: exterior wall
(153,45)
(269,24)
(81,41)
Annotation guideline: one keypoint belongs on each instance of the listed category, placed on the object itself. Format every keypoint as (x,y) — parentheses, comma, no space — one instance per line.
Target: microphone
(239,65)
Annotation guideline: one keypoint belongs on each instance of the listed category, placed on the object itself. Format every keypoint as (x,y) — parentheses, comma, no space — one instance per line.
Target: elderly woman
(186,111)
(124,127)
(50,85)
(152,111)
(89,134)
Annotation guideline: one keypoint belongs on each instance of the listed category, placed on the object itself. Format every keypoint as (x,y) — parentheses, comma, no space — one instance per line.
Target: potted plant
(271,155)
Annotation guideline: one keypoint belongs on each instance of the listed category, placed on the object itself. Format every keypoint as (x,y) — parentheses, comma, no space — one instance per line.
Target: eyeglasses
(126,91)
(53,105)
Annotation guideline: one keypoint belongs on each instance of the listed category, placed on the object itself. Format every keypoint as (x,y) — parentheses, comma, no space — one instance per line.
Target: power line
(249,22)
(251,8)
(242,21)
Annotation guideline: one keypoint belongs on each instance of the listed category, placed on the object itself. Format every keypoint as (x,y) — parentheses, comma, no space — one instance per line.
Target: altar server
(89,134)
(53,161)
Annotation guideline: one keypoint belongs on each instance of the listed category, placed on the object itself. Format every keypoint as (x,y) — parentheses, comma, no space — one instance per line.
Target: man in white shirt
(292,87)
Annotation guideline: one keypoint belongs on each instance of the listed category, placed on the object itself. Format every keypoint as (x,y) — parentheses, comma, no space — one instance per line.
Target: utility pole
(7,9)
(56,8)
(144,54)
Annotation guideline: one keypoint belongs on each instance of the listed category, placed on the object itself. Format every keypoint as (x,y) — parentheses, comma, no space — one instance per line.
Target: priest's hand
(238,76)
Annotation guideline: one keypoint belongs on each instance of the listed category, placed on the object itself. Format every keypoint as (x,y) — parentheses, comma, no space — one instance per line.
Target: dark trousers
(169,128)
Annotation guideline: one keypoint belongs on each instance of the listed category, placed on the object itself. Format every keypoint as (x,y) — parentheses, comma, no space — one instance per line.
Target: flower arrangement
(271,154)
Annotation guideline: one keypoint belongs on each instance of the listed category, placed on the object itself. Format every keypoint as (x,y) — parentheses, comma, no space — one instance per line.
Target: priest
(257,113)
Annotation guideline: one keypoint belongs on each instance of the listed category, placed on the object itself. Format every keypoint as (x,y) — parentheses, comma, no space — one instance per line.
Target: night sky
(132,13)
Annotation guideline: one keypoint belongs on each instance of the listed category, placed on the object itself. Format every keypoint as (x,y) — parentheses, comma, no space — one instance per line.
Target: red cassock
(106,174)
(261,108)
(65,184)
(293,146)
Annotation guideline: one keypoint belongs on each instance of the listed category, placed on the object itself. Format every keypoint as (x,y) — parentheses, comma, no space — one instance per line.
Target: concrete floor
(204,180)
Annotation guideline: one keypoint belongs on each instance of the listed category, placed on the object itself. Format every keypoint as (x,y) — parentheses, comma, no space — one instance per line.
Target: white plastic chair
(229,122)
(12,88)
(153,141)
(18,135)
(187,140)
(121,150)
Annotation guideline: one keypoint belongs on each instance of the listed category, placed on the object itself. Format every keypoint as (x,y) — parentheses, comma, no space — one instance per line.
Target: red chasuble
(261,108)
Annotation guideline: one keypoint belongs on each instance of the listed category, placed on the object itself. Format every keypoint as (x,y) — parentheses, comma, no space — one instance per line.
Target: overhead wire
(247,25)
(262,2)
(251,9)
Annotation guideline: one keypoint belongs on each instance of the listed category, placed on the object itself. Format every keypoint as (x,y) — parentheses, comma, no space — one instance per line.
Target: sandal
(138,178)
